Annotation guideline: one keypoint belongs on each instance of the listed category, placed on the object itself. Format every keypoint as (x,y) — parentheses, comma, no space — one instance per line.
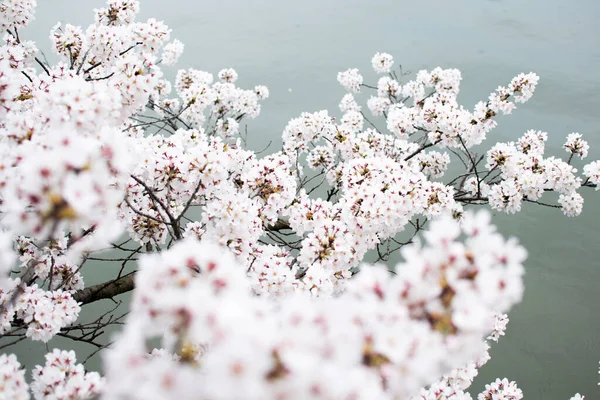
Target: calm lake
(552,347)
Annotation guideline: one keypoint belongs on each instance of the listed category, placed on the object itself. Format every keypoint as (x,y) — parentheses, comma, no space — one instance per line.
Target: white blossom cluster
(454,384)
(194,294)
(501,320)
(175,168)
(172,51)
(435,109)
(382,62)
(501,389)
(9,87)
(226,103)
(14,385)
(65,162)
(20,54)
(308,128)
(526,174)
(43,312)
(62,182)
(592,172)
(576,145)
(16,13)
(351,80)
(271,181)
(68,41)
(117,12)
(62,378)
(434,163)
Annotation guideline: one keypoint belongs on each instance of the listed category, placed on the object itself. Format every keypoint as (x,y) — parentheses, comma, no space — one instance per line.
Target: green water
(552,346)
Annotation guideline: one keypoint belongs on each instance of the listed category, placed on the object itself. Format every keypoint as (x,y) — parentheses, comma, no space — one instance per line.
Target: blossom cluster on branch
(249,271)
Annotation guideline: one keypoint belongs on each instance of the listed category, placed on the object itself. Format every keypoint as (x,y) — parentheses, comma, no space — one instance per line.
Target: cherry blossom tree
(247,272)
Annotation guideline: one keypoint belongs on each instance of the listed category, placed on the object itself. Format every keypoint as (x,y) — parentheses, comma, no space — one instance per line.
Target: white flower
(172,52)
(16,14)
(501,389)
(378,105)
(62,377)
(500,322)
(592,171)
(572,204)
(576,145)
(262,92)
(350,80)
(388,87)
(13,386)
(348,103)
(523,86)
(228,75)
(118,12)
(506,196)
(382,62)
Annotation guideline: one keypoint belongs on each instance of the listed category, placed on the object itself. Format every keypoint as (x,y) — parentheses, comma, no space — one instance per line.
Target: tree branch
(420,149)
(279,225)
(106,290)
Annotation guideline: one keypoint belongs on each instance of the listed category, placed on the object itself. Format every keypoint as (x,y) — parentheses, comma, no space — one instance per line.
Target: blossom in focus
(62,377)
(501,389)
(382,62)
(576,145)
(350,80)
(172,52)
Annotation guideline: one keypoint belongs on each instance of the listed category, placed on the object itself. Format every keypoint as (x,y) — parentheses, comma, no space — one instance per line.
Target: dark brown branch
(82,339)
(102,78)
(470,200)
(588,184)
(279,225)
(41,64)
(27,76)
(542,204)
(106,290)
(420,149)
(13,342)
